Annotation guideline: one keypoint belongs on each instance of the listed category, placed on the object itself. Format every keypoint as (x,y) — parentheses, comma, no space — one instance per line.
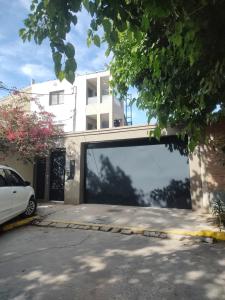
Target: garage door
(138,172)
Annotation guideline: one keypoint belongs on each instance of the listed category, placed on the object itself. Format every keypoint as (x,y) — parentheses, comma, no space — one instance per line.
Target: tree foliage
(172,51)
(24,133)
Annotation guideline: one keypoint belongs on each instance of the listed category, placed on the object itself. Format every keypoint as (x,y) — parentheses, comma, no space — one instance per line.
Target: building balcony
(91,100)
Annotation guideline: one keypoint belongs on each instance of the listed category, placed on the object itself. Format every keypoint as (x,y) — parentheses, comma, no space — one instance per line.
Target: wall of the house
(73,144)
(24,169)
(72,113)
(196,179)
(80,116)
(63,113)
(207,172)
(105,104)
(213,165)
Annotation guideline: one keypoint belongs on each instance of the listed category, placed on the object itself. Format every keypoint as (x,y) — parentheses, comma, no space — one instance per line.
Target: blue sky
(20,62)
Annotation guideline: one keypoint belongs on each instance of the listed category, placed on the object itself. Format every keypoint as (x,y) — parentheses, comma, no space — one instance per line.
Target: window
(104,83)
(56,98)
(91,91)
(3,180)
(90,126)
(70,169)
(104,118)
(60,127)
(91,122)
(14,179)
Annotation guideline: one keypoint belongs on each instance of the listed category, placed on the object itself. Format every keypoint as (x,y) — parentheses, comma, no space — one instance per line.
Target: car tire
(31,207)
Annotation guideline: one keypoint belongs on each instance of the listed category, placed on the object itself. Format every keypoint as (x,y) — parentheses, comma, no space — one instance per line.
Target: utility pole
(75,108)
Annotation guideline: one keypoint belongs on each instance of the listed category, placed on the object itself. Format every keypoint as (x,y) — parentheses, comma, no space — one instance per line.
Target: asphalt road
(55,263)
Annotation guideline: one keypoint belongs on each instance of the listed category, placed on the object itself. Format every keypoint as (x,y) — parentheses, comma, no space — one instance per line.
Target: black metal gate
(57,175)
(40,178)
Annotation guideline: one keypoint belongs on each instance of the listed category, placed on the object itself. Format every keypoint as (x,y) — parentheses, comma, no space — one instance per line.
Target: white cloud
(25,59)
(100,58)
(25,51)
(36,71)
(89,59)
(25,4)
(83,23)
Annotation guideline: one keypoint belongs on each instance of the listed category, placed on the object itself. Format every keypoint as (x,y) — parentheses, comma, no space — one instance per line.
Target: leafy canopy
(172,51)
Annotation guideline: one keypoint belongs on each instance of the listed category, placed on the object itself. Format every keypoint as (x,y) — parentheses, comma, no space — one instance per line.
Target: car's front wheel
(31,207)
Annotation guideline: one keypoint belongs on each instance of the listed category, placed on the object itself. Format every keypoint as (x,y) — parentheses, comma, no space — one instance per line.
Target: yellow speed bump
(18,223)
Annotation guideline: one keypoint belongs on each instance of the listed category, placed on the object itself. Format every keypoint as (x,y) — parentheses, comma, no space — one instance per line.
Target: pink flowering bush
(28,134)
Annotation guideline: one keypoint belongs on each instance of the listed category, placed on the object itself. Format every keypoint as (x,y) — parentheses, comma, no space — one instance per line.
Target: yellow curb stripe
(18,223)
(217,235)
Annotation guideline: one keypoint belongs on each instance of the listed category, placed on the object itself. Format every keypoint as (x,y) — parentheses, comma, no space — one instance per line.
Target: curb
(202,235)
(216,235)
(18,223)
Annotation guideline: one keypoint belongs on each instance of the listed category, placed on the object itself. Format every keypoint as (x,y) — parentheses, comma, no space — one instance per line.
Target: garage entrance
(139,172)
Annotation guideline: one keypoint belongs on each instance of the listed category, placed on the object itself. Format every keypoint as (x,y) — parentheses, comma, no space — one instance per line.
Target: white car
(16,195)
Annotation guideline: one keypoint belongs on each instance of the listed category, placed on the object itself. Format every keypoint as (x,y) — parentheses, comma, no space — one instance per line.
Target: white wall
(80,124)
(65,113)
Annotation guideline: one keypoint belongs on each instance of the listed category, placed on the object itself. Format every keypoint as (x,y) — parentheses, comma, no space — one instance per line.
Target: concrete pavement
(139,219)
(127,216)
(54,263)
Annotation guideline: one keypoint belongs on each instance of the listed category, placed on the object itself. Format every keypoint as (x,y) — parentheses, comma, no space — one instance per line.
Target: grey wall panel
(140,172)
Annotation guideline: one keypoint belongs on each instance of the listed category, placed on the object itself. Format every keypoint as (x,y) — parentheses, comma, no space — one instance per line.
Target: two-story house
(87,104)
(120,165)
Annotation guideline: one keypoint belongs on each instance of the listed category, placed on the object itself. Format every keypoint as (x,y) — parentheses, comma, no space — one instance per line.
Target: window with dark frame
(13,178)
(56,97)
(60,127)
(71,170)
(3,179)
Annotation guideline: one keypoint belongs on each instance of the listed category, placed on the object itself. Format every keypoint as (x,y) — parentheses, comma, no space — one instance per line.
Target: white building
(86,105)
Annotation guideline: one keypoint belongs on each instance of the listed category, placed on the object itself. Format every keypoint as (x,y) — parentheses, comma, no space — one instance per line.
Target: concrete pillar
(47,178)
(98,102)
(111,114)
(72,187)
(197,182)
(205,192)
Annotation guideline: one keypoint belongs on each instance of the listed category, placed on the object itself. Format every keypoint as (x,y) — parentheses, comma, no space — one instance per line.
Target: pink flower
(11,136)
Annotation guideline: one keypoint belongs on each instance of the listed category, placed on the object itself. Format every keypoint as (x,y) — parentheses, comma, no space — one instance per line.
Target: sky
(21,62)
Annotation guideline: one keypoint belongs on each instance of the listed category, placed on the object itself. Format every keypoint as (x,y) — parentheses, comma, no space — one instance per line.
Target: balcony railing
(91,100)
(106,98)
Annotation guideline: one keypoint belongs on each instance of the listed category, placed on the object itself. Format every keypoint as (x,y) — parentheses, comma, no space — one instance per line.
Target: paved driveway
(56,263)
(153,218)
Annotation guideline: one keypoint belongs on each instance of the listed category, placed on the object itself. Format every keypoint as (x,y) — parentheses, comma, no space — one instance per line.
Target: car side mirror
(26,183)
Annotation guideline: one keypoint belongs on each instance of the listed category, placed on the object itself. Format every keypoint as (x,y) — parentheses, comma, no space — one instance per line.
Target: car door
(19,191)
(6,209)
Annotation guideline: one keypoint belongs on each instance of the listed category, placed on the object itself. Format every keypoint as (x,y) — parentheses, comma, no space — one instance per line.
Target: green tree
(172,51)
